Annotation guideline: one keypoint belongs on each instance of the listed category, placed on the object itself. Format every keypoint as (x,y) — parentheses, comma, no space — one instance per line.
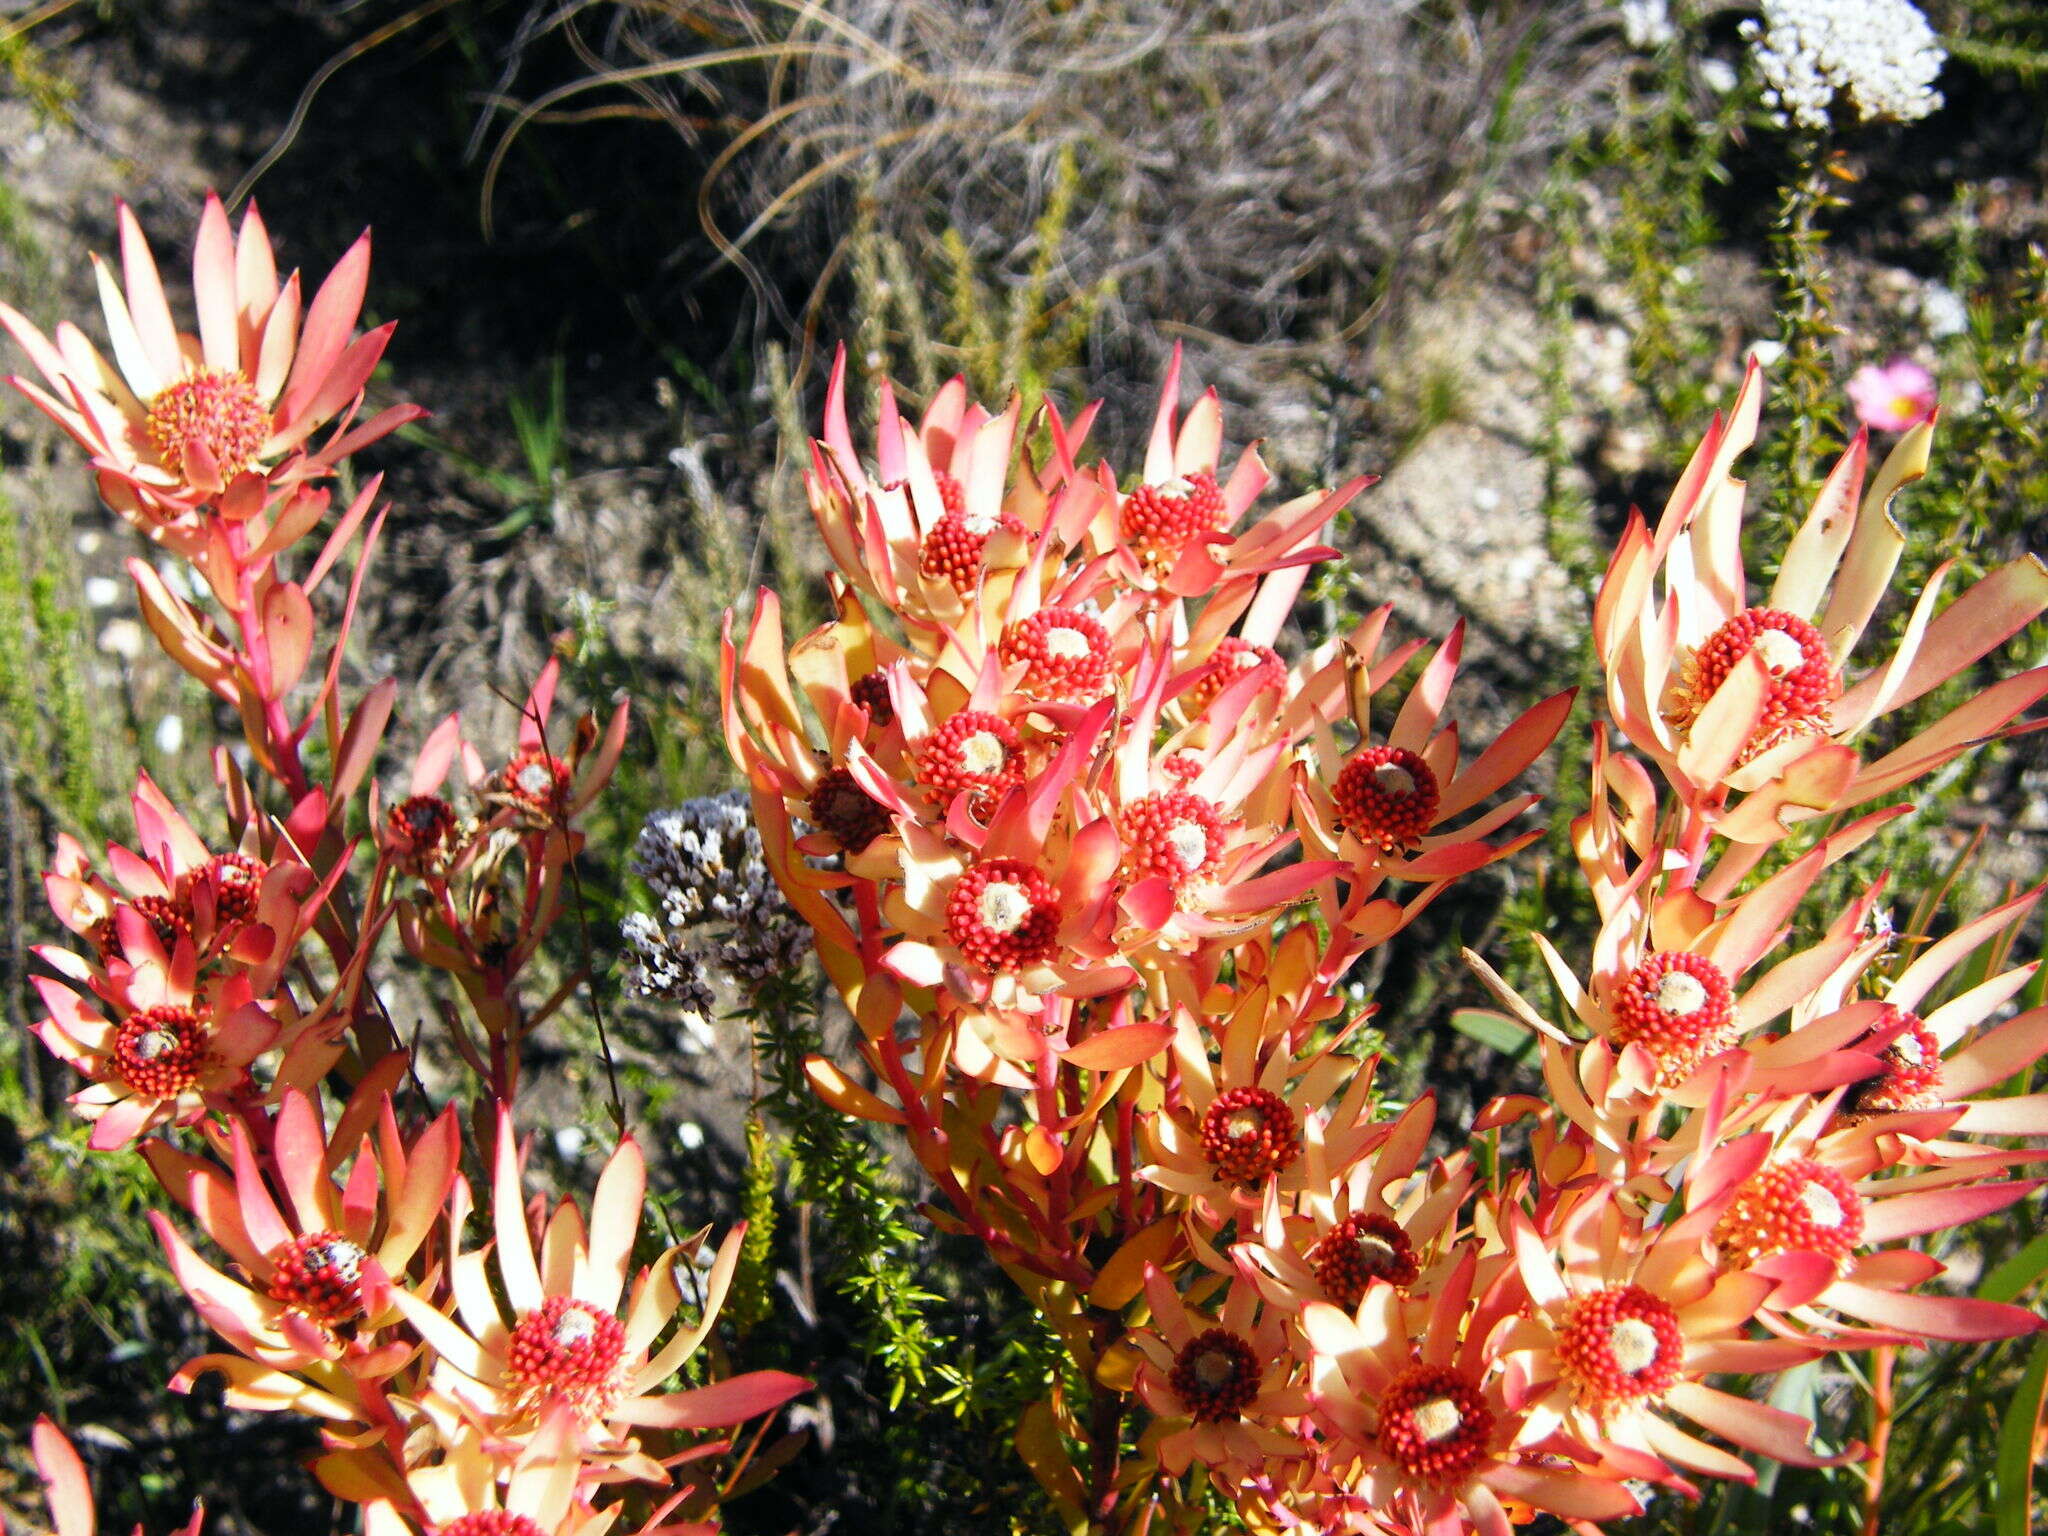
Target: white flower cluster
(1881,54)
(720,910)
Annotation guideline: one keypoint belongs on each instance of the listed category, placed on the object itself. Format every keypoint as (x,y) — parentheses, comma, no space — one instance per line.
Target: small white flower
(102,591)
(170,734)
(694,1034)
(1766,352)
(1718,76)
(569,1140)
(1943,311)
(122,638)
(1647,24)
(89,541)
(691,1135)
(1879,54)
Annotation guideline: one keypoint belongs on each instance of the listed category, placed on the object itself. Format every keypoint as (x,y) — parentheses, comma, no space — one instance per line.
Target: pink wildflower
(1892,398)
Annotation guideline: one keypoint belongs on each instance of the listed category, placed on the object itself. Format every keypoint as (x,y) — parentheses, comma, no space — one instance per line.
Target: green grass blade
(1492,1029)
(2008,1280)
(2014,1475)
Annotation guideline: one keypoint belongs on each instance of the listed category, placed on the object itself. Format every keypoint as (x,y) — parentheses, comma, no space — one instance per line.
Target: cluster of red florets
(1159,521)
(159,1051)
(871,692)
(849,813)
(1359,1250)
(213,414)
(167,917)
(1679,1007)
(236,883)
(1248,1134)
(1386,797)
(1232,659)
(1003,915)
(418,831)
(1063,651)
(569,1351)
(538,782)
(232,884)
(1216,1376)
(975,751)
(952,494)
(1620,1345)
(1803,677)
(1434,1424)
(489,1522)
(1798,1205)
(1911,1078)
(320,1274)
(955,548)
(1177,836)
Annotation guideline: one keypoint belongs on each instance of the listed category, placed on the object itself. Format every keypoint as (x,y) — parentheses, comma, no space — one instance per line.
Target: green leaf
(2008,1280)
(2014,1475)
(1795,1391)
(1495,1030)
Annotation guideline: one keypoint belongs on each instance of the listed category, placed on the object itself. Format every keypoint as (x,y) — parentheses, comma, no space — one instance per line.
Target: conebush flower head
(178,419)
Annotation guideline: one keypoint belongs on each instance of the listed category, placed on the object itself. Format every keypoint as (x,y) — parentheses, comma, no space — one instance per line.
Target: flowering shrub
(1088,859)
(1089,846)
(221,1005)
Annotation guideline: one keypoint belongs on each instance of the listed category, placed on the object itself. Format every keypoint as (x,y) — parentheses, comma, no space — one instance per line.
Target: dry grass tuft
(1265,173)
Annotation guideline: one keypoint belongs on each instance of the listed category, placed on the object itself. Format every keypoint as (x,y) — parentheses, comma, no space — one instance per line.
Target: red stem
(1880,1434)
(283,745)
